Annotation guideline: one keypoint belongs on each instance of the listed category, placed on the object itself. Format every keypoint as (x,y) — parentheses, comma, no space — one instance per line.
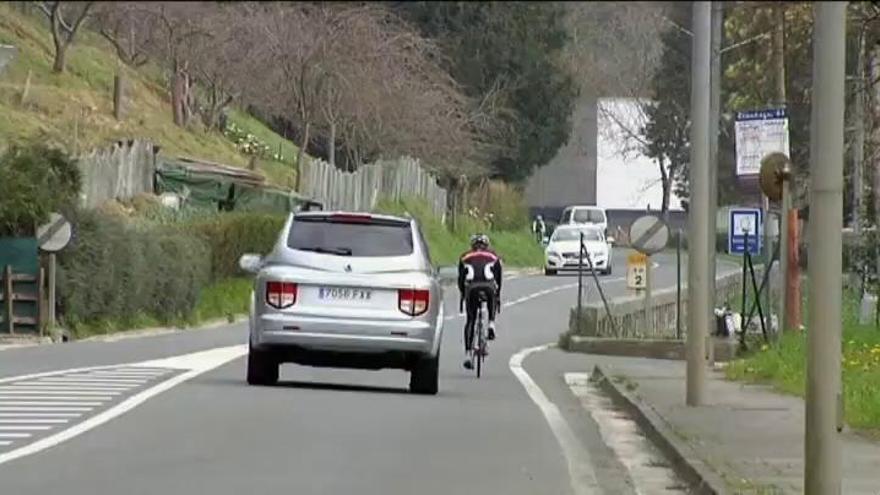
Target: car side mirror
(251,263)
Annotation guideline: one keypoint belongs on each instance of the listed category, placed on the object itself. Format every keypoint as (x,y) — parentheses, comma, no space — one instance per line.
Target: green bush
(35,181)
(121,271)
(232,234)
(508,208)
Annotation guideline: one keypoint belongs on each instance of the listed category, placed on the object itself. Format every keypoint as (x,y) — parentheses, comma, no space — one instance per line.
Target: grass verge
(783,366)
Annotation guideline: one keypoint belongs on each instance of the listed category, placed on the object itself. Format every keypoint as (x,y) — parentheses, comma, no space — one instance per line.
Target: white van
(585,215)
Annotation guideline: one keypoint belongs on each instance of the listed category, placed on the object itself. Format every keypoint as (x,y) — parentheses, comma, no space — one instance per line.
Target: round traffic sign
(649,234)
(54,235)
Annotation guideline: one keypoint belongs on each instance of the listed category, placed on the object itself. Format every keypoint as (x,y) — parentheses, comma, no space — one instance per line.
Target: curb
(685,460)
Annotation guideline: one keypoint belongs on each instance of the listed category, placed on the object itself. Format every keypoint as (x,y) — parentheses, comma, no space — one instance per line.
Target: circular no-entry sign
(648,234)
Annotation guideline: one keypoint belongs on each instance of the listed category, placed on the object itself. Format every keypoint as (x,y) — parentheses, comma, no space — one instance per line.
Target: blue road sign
(745,223)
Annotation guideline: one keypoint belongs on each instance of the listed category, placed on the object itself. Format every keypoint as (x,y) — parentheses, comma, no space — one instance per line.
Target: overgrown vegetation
(783,365)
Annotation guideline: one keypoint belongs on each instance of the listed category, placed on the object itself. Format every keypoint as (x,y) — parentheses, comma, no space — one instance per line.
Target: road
(191,425)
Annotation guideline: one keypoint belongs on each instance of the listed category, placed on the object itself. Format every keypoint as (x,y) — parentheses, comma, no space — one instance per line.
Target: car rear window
(592,216)
(364,237)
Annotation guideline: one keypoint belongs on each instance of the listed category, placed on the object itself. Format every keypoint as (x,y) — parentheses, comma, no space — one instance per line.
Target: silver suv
(346,290)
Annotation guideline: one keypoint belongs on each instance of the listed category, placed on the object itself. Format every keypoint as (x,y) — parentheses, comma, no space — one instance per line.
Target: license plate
(344,294)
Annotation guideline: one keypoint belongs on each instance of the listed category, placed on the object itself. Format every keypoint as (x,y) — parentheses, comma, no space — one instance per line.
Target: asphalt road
(320,431)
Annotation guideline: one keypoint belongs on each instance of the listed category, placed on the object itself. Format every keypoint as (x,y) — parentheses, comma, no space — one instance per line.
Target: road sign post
(52,237)
(648,235)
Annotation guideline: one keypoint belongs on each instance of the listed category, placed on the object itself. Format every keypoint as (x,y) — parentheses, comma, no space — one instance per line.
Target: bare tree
(131,28)
(65,20)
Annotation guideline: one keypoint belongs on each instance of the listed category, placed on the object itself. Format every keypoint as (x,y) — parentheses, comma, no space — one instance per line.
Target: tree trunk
(664,205)
(60,57)
(875,131)
(300,154)
(177,97)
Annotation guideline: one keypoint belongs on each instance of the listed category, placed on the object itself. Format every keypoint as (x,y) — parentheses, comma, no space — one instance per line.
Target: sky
(626,179)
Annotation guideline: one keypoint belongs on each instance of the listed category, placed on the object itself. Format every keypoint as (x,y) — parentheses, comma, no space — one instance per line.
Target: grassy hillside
(75,109)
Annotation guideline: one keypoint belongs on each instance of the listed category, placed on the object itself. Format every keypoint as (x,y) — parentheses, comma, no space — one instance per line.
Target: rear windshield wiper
(339,251)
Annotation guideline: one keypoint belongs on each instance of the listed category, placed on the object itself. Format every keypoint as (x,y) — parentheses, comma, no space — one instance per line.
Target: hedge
(119,270)
(232,234)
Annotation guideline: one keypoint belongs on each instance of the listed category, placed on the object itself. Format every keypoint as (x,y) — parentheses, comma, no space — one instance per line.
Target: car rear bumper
(345,335)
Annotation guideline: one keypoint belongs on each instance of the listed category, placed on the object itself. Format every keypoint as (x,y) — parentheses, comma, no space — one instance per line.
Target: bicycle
(482,346)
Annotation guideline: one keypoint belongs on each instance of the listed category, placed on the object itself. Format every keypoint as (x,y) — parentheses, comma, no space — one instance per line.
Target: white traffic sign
(54,235)
(745,227)
(637,271)
(648,235)
(759,133)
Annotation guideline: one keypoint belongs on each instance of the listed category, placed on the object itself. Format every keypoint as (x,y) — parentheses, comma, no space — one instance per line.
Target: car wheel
(549,272)
(607,271)
(262,368)
(424,378)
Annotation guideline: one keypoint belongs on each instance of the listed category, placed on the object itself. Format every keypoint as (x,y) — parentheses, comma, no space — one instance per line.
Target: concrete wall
(570,177)
(632,321)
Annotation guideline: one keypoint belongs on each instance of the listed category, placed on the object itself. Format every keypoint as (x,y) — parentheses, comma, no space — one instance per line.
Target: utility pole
(699,245)
(714,133)
(824,411)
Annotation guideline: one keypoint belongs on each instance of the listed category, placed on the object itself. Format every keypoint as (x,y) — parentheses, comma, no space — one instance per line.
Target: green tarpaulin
(214,188)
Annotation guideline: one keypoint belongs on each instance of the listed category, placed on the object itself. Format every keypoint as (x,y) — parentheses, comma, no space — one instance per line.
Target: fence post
(678,286)
(8,299)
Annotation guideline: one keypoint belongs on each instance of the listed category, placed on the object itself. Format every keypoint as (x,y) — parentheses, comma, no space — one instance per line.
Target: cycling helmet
(479,240)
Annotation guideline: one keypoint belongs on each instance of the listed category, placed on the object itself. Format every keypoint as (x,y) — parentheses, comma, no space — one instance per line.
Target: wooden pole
(8,299)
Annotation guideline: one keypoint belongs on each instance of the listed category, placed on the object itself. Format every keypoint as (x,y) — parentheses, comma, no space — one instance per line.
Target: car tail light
(413,302)
(351,218)
(280,295)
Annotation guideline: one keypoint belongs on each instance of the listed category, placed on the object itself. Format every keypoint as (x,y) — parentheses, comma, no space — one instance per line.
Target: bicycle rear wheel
(478,349)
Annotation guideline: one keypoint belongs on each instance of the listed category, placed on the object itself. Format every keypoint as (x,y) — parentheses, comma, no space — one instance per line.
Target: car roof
(579,227)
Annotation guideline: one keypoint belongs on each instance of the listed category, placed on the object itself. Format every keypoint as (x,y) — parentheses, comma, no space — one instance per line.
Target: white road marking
(47,403)
(39,415)
(96,381)
(57,373)
(24,428)
(5,442)
(63,383)
(580,466)
(15,435)
(45,409)
(194,364)
(29,420)
(43,391)
(6,397)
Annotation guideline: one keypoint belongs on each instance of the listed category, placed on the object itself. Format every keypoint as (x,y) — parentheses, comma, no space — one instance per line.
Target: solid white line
(580,466)
(48,403)
(5,421)
(24,428)
(5,443)
(45,409)
(6,397)
(15,435)
(198,363)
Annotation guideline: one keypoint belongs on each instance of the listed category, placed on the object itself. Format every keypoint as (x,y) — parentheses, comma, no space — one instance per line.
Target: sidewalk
(746,439)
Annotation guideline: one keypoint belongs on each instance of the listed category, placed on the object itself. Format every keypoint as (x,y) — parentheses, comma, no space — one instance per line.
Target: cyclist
(479,276)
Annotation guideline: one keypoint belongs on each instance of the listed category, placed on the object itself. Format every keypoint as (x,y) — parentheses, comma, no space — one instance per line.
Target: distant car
(562,252)
(346,290)
(585,215)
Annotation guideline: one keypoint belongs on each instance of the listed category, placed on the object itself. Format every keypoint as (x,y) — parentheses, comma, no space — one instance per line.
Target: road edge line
(580,464)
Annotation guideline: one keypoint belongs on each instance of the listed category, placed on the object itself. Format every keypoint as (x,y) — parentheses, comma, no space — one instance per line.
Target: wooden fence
(121,171)
(361,190)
